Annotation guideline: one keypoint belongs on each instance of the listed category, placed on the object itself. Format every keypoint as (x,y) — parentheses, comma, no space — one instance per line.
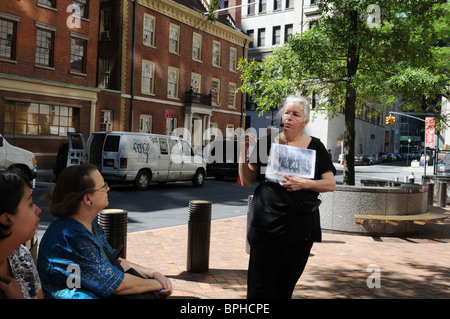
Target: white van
(16,157)
(142,158)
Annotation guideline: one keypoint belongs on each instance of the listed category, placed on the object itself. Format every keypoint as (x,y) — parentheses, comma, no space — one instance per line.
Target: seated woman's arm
(135,285)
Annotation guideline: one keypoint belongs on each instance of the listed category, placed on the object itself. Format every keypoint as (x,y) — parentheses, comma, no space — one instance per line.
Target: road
(168,205)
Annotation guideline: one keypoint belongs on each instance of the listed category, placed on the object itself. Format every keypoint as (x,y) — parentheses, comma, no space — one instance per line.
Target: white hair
(298,99)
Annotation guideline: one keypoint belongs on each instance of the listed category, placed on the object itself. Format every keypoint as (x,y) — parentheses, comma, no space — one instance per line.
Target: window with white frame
(171,125)
(174,39)
(230,131)
(196,81)
(196,47)
(216,53)
(233,59)
(149,30)
(147,79)
(232,95)
(172,82)
(215,91)
(145,123)
(106,118)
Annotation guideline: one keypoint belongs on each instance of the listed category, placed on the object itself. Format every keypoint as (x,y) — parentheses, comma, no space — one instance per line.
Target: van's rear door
(76,148)
(110,154)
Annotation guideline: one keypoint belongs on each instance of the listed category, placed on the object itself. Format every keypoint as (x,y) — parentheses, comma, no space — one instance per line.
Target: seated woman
(19,218)
(73,254)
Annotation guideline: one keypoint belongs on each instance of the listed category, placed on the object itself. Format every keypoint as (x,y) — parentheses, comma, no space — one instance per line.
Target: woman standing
(284,215)
(74,246)
(19,218)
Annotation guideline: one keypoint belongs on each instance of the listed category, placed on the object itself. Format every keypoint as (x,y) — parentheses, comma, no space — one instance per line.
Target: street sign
(429,132)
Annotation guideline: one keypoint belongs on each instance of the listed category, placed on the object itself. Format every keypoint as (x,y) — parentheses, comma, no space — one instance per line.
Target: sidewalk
(413,267)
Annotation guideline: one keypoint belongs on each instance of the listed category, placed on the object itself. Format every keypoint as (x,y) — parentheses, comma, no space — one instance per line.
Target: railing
(198,98)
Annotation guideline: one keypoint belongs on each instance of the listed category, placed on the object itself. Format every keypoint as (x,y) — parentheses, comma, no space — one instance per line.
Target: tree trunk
(350,102)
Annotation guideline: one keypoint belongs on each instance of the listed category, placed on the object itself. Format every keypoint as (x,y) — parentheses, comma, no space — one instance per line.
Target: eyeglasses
(103,188)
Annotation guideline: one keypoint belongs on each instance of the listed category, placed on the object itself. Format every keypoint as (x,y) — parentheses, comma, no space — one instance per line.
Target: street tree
(359,57)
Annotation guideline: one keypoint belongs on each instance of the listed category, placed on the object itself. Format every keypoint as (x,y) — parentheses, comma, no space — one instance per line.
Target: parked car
(362,160)
(223,159)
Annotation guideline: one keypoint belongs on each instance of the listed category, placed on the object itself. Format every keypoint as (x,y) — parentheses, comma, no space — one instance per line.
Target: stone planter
(338,209)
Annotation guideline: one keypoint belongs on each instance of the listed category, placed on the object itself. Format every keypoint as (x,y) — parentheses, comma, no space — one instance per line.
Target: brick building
(48,67)
(184,73)
(143,66)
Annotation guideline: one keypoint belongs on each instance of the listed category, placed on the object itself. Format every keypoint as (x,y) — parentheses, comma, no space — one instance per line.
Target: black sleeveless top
(278,216)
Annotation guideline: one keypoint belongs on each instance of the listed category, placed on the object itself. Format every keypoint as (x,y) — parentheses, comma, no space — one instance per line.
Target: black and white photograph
(290,160)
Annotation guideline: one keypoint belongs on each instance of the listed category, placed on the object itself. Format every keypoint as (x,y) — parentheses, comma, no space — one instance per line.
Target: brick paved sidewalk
(413,267)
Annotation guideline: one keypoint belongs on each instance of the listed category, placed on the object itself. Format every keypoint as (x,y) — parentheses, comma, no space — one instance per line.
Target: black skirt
(278,216)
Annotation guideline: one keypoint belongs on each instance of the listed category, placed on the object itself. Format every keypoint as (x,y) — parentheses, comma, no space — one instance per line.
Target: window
(148,75)
(230,131)
(276,35)
(8,38)
(145,123)
(149,30)
(233,59)
(216,54)
(288,31)
(196,47)
(262,6)
(105,24)
(174,39)
(196,81)
(78,55)
(106,117)
(232,95)
(172,83)
(251,7)
(277,5)
(215,91)
(104,73)
(261,37)
(289,4)
(44,47)
(84,7)
(251,33)
(171,125)
(27,118)
(48,3)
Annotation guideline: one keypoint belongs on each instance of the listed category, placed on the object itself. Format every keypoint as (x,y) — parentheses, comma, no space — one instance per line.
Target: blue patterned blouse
(72,263)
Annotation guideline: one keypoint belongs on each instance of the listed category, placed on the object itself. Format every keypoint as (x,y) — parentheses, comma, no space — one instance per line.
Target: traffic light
(390,120)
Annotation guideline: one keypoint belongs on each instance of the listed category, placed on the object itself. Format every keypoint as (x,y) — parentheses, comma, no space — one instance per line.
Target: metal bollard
(199,234)
(430,201)
(249,218)
(115,222)
(442,194)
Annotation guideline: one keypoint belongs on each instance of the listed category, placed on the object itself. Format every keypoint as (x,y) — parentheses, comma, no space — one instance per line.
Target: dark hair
(12,188)
(73,183)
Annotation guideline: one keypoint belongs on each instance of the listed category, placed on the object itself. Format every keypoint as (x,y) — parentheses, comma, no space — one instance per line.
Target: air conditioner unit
(104,35)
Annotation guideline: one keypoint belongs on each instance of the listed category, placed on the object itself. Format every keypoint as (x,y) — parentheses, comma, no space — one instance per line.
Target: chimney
(236,13)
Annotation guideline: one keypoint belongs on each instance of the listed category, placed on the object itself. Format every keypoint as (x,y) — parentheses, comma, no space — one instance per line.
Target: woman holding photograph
(285,219)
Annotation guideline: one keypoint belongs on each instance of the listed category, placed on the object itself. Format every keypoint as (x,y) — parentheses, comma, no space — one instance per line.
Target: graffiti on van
(142,148)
